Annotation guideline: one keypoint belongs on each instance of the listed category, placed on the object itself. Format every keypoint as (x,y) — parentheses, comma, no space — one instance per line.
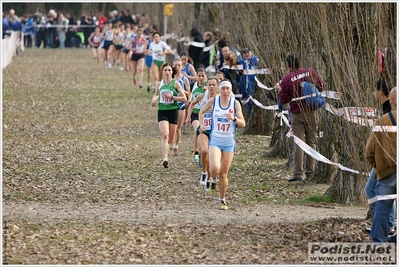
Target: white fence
(10,46)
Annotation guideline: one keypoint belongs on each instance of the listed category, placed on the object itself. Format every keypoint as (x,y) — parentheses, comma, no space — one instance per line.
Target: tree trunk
(347,188)
(260,121)
(282,146)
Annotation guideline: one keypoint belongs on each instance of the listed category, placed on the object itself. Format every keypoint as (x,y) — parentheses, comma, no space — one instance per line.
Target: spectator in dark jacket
(51,31)
(126,17)
(71,39)
(195,49)
(88,26)
(206,50)
(40,29)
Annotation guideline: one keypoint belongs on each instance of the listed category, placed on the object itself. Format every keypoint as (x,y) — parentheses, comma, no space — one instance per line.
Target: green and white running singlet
(157,49)
(163,102)
(197,90)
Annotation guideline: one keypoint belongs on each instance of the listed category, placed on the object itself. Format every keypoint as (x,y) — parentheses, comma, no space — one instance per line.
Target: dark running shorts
(168,115)
(207,132)
(136,57)
(107,44)
(118,47)
(194,117)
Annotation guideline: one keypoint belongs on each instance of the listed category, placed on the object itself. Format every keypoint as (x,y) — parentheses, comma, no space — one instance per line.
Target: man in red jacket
(304,121)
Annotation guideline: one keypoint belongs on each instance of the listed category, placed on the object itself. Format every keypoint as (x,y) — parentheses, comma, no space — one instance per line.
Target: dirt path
(180,213)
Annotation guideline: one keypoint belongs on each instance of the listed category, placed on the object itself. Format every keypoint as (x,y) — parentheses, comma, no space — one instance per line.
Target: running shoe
(223,205)
(207,186)
(199,162)
(121,68)
(148,88)
(134,81)
(212,191)
(165,163)
(196,158)
(153,89)
(217,178)
(203,179)
(140,86)
(176,151)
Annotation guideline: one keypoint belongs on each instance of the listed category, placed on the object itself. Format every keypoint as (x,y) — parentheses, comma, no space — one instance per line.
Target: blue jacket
(6,26)
(16,26)
(248,81)
(29,27)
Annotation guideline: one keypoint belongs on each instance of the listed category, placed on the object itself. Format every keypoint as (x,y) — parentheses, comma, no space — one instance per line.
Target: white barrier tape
(274,107)
(256,71)
(59,26)
(305,96)
(235,67)
(311,152)
(262,85)
(389,129)
(283,118)
(351,111)
(378,198)
(328,107)
(358,111)
(210,68)
(168,35)
(245,71)
(327,94)
(183,39)
(331,94)
(207,48)
(286,121)
(335,111)
(196,44)
(357,120)
(245,101)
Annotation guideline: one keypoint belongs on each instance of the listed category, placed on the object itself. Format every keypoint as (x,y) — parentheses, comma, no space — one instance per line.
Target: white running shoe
(203,179)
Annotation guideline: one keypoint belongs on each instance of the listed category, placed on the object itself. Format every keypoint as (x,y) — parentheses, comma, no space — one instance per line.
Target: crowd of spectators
(60,29)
